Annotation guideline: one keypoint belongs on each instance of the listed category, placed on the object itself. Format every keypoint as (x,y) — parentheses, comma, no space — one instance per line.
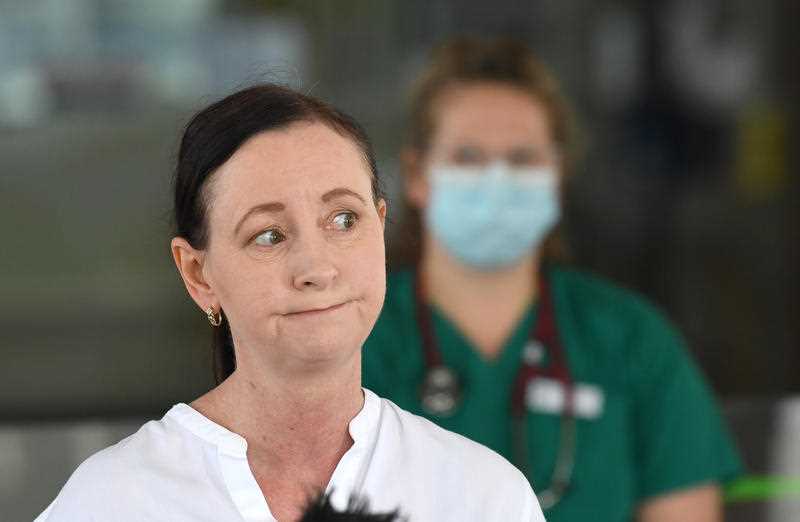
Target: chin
(314,348)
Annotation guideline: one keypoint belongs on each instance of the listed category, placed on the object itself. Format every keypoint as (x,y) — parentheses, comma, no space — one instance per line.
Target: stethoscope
(440,392)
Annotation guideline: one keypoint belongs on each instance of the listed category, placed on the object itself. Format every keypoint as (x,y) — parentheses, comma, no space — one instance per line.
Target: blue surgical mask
(491,217)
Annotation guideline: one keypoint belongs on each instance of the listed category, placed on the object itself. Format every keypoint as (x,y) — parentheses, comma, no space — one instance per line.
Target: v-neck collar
(509,354)
(347,477)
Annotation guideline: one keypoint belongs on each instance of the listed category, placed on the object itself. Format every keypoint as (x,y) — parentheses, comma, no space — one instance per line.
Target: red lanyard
(544,333)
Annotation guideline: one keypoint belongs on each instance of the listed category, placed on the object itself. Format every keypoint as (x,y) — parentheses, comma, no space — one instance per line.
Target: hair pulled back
(214,134)
(502,60)
(468,60)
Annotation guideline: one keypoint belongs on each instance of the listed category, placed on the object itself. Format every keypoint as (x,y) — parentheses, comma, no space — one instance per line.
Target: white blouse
(187,468)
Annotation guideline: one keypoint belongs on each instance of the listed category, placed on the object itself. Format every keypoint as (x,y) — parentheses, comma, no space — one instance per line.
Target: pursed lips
(317,310)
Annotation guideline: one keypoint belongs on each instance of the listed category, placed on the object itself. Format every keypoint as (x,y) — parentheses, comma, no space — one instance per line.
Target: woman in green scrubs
(583,385)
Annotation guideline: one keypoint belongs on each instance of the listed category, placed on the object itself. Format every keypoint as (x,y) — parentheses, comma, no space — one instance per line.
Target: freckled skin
(295,261)
(317,264)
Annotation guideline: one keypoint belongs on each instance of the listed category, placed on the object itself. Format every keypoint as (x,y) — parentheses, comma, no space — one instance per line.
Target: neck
(290,422)
(287,411)
(446,279)
(485,305)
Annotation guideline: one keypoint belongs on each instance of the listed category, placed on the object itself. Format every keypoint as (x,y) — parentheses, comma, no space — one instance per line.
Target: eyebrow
(276,206)
(339,192)
(272,207)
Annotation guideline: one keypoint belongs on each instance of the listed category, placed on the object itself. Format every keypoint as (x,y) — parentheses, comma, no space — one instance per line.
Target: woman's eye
(344,220)
(468,155)
(531,157)
(269,238)
(523,158)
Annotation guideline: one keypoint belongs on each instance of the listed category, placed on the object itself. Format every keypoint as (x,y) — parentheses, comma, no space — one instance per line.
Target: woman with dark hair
(583,385)
(279,242)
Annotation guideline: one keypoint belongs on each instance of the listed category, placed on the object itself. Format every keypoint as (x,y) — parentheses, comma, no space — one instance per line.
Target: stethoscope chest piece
(543,356)
(440,393)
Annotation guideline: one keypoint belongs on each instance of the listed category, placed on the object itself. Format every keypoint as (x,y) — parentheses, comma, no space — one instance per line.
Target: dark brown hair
(472,60)
(210,139)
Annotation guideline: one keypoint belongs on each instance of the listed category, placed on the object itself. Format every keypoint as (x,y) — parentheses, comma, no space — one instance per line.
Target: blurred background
(687,191)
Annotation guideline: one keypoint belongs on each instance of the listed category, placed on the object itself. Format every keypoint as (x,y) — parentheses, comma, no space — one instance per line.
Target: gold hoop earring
(214,318)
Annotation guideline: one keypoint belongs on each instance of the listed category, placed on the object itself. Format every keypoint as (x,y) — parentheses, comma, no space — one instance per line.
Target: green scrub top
(657,428)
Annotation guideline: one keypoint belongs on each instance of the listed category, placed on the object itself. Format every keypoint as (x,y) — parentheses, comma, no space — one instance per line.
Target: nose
(312,267)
